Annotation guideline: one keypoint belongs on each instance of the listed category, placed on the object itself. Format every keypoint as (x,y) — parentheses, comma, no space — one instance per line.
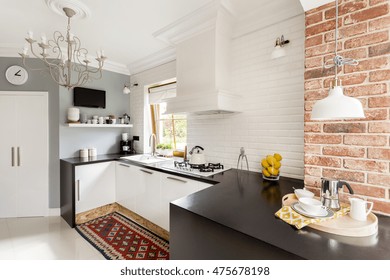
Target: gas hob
(199,170)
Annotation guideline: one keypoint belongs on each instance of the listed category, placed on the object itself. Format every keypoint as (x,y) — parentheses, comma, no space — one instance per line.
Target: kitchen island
(235,219)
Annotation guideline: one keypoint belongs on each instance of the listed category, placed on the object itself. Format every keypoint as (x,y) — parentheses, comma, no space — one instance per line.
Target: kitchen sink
(146,158)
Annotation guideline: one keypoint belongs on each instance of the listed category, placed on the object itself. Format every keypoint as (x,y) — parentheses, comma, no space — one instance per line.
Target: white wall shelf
(98,125)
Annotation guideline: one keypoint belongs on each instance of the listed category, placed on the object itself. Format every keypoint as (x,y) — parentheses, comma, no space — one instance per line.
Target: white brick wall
(272,95)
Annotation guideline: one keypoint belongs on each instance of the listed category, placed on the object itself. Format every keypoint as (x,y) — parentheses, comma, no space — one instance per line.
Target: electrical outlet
(136,138)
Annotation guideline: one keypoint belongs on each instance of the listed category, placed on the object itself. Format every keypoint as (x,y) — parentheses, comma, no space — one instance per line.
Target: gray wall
(39,82)
(106,140)
(64,142)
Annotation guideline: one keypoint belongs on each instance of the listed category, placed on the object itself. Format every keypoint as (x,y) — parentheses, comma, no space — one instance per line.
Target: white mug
(359,210)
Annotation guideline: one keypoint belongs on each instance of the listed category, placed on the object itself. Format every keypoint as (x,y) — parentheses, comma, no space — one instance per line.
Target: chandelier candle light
(336,105)
(73,59)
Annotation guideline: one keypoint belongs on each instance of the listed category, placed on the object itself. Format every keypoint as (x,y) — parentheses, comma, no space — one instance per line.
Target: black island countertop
(242,202)
(245,203)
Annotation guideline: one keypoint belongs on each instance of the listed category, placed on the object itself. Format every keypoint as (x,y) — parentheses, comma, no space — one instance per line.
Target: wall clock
(16,75)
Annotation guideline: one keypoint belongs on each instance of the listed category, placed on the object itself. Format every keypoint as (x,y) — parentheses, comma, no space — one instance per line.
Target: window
(169,128)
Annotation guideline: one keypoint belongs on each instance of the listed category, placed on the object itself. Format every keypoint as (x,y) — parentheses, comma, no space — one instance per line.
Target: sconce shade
(337,106)
(126,90)
(278,52)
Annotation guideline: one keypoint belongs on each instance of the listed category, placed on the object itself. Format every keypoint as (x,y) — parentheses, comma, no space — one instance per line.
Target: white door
(175,187)
(126,183)
(24,176)
(8,169)
(148,197)
(95,185)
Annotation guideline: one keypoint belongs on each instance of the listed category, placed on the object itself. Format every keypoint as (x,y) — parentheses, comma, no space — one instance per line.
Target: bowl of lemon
(271,167)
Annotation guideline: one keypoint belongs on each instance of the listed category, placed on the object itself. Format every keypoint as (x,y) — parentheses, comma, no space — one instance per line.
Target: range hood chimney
(202,62)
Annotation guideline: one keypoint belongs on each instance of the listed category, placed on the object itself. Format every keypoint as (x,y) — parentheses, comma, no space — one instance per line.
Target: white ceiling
(123,28)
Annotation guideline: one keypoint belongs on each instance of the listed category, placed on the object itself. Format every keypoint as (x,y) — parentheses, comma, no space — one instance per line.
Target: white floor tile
(43,238)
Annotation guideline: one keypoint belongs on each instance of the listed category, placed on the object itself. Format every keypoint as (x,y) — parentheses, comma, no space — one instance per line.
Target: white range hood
(202,62)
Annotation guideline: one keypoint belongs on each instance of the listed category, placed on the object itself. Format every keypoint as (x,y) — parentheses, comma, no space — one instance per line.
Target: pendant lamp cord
(338,60)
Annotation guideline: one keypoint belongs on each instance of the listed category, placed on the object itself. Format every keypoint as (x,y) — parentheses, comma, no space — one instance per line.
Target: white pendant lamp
(337,106)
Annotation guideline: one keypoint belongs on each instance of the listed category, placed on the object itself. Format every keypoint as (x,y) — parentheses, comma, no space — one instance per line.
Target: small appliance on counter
(126,145)
(330,192)
(197,156)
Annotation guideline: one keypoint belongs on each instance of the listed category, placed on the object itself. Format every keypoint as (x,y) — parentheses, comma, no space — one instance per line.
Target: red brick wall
(355,151)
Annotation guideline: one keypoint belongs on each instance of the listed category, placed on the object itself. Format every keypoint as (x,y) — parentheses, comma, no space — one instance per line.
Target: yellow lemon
(278,157)
(271,160)
(264,163)
(277,165)
(266,173)
(273,171)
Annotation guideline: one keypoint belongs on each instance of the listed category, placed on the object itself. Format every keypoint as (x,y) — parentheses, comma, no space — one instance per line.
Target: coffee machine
(126,145)
(330,192)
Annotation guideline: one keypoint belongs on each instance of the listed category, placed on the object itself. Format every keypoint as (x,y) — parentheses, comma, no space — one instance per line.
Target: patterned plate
(297,208)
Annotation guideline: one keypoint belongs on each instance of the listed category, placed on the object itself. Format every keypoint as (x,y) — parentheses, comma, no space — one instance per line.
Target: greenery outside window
(170,129)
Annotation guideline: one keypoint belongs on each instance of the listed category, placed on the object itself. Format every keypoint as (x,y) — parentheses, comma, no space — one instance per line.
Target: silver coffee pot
(330,192)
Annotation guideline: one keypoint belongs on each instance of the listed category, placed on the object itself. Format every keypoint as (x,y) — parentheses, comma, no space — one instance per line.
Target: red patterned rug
(119,238)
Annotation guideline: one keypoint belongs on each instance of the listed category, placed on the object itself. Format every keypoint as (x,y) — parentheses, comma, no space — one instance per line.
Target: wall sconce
(279,51)
(126,88)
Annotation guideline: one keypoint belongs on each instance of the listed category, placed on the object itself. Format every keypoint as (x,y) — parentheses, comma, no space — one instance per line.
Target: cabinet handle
(78,190)
(121,164)
(145,171)
(176,179)
(13,156)
(19,156)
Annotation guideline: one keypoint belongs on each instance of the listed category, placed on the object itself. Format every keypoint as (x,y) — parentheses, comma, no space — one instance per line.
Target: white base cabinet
(148,192)
(125,185)
(175,187)
(95,185)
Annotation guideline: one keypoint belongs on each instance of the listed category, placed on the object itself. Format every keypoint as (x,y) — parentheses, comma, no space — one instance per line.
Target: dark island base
(196,238)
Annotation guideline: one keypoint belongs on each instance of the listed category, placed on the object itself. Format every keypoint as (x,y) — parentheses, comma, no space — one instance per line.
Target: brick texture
(356,151)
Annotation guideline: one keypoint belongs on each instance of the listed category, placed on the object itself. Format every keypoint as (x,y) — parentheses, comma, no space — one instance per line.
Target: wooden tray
(344,225)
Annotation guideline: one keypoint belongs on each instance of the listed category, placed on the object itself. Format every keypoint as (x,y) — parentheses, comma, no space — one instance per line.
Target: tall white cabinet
(24,154)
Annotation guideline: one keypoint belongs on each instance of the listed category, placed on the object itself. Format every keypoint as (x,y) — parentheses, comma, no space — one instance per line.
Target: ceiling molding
(82,11)
(153,60)
(312,4)
(12,50)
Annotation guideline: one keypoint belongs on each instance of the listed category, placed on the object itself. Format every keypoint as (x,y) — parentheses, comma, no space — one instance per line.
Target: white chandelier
(69,67)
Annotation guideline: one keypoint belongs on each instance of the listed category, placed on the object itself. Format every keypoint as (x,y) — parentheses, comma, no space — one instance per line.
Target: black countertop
(243,201)
(90,160)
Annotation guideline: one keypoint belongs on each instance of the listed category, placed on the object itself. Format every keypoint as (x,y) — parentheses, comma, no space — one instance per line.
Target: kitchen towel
(287,214)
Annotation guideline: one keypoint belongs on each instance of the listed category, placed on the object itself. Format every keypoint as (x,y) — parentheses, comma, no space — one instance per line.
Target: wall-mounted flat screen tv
(87,97)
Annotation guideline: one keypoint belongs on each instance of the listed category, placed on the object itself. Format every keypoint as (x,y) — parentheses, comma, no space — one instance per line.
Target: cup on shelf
(94,121)
(113,121)
(89,121)
(84,118)
(101,120)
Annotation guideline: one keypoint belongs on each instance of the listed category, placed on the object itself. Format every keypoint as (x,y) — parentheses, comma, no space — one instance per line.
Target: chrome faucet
(153,139)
